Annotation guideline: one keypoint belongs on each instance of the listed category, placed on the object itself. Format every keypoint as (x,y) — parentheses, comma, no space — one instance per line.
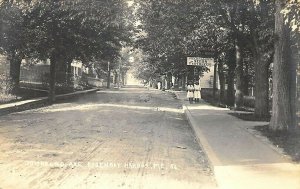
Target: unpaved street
(128,138)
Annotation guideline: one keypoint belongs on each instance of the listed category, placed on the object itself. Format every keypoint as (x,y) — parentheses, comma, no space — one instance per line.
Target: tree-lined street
(254,46)
(251,42)
(105,85)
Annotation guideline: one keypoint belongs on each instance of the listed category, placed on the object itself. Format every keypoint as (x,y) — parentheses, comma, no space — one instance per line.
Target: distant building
(37,71)
(207,79)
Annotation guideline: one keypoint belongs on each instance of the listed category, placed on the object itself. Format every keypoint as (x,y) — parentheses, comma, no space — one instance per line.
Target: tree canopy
(63,30)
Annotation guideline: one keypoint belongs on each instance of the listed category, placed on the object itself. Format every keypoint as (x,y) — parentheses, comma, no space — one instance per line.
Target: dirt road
(128,138)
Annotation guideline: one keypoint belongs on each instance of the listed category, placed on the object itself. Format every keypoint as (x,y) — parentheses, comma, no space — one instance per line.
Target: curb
(40,102)
(211,157)
(202,142)
(75,94)
(32,104)
(201,138)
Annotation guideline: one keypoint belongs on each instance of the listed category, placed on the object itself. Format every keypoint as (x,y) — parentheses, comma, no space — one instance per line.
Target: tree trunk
(298,88)
(69,73)
(230,57)
(184,80)
(108,75)
(215,81)
(61,69)
(61,65)
(283,109)
(230,88)
(190,74)
(246,79)
(222,81)
(14,73)
(298,82)
(293,83)
(69,66)
(176,83)
(239,95)
(53,61)
(169,80)
(261,87)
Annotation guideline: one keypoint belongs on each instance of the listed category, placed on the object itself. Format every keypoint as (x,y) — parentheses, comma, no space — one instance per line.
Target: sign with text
(199,61)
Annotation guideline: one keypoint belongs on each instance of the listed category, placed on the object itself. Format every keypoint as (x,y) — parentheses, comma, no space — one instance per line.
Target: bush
(62,85)
(5,84)
(207,94)
(83,82)
(249,101)
(5,89)
(45,80)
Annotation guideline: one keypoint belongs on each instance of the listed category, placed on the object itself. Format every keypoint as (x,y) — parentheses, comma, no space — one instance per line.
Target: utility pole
(108,75)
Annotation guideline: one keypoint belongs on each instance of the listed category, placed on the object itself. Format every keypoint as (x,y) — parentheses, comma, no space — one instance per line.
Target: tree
(231,63)
(94,27)
(229,16)
(284,92)
(251,25)
(261,26)
(171,32)
(291,13)
(14,36)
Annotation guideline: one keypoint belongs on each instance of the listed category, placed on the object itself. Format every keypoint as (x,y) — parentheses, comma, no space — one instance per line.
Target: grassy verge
(249,116)
(6,98)
(288,141)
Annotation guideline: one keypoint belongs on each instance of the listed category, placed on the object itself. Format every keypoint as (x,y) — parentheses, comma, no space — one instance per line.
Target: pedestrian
(159,85)
(197,92)
(190,92)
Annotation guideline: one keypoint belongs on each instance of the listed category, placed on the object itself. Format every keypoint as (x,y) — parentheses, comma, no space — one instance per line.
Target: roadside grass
(289,141)
(5,88)
(249,116)
(6,98)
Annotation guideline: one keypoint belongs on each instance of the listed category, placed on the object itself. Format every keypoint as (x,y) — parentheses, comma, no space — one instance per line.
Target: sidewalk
(240,160)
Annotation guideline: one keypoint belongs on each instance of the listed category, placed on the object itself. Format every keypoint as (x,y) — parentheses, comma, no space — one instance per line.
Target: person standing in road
(190,92)
(197,92)
(159,85)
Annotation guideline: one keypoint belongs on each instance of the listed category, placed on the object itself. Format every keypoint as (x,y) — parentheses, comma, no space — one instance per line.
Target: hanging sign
(199,61)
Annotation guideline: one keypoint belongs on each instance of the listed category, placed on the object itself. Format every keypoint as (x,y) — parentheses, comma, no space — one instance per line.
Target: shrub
(249,101)
(5,84)
(62,84)
(83,82)
(5,89)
